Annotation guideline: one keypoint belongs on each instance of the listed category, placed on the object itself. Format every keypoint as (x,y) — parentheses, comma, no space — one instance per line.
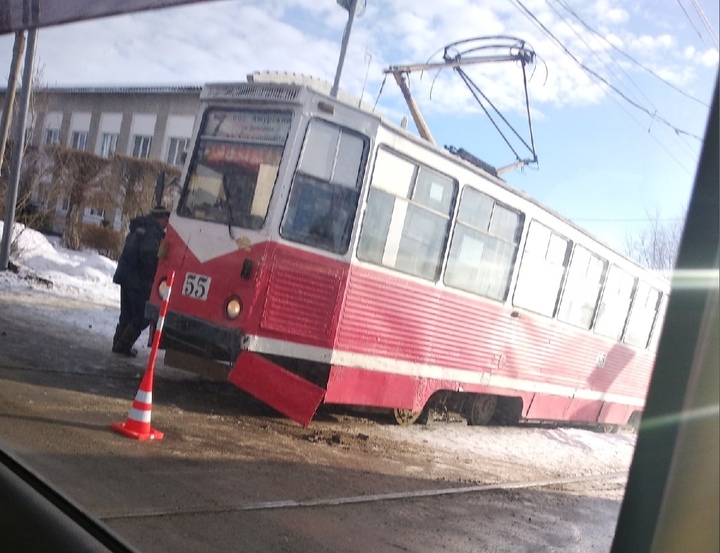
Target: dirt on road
(228,461)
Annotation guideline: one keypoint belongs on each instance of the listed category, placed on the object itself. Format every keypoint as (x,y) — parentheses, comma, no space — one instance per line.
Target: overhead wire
(607,66)
(687,15)
(679,140)
(594,53)
(589,70)
(565,5)
(705,21)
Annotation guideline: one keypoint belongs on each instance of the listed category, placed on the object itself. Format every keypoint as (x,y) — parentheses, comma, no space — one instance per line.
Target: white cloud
(614,40)
(706,58)
(678,75)
(607,12)
(649,44)
(709,58)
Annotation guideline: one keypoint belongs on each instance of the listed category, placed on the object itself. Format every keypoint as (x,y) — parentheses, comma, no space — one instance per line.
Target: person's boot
(124,344)
(118,332)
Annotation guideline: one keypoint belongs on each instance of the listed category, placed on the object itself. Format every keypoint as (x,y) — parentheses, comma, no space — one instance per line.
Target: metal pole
(343,48)
(18,148)
(10,93)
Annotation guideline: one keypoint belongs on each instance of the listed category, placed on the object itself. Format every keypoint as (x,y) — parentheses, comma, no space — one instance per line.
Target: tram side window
(407,217)
(642,316)
(615,303)
(484,246)
(582,288)
(541,271)
(325,189)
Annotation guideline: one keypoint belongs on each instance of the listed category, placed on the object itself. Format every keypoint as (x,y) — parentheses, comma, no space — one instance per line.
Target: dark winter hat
(160,212)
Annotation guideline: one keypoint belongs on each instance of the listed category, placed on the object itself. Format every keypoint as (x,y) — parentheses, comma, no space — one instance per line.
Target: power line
(628,56)
(667,150)
(634,119)
(679,140)
(691,22)
(652,115)
(598,56)
(705,21)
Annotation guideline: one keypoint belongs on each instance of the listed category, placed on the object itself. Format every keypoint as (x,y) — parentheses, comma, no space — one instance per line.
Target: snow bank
(84,274)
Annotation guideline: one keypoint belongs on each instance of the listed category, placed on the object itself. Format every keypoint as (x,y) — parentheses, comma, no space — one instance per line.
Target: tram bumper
(196,337)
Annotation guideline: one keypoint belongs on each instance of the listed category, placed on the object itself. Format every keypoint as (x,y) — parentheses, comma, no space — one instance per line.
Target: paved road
(232,476)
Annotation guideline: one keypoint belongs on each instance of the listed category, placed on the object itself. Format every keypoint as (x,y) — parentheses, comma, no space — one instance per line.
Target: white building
(153,122)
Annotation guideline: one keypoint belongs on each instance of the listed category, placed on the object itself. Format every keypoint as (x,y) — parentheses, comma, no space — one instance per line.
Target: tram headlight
(163,288)
(233,308)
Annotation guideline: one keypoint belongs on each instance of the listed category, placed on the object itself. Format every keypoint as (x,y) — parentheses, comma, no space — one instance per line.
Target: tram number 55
(196,286)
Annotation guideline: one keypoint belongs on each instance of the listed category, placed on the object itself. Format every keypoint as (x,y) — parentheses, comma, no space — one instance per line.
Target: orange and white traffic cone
(137,424)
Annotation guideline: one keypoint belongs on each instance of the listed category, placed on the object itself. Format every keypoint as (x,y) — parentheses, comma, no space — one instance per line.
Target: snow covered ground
(82,275)
(80,281)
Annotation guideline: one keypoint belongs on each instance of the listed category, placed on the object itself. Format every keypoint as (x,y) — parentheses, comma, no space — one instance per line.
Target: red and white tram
(325,254)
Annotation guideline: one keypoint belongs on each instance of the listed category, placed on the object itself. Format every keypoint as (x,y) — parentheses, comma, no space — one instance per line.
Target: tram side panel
(399,341)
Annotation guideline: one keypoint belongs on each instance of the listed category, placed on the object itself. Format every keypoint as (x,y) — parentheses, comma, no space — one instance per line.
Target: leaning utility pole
(10,93)
(18,147)
(351,7)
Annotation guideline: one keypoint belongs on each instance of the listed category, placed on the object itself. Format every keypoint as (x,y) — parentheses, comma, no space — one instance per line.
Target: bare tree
(132,180)
(80,174)
(656,245)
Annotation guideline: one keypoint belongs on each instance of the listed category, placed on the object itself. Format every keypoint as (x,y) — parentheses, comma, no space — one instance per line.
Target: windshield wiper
(226,189)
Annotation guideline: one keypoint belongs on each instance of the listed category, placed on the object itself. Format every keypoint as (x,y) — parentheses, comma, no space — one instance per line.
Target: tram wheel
(406,417)
(481,409)
(508,411)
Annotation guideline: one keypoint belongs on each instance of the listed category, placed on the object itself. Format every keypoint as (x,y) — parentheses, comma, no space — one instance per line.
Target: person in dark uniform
(135,273)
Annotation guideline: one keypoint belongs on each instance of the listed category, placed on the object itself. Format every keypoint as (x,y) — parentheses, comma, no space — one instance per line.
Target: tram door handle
(246,269)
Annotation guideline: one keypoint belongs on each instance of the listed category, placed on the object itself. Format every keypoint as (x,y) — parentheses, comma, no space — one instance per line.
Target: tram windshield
(236,163)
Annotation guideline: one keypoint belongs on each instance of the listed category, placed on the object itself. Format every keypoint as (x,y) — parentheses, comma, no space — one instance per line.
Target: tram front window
(235,167)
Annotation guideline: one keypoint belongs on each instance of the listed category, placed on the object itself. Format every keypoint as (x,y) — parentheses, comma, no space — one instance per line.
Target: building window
(484,246)
(52,136)
(65,204)
(97,212)
(407,218)
(176,148)
(78,140)
(108,144)
(141,146)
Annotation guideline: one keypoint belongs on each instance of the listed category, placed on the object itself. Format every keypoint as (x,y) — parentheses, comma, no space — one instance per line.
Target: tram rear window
(235,166)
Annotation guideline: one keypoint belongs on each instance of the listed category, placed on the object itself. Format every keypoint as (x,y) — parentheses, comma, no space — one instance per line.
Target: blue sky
(602,162)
